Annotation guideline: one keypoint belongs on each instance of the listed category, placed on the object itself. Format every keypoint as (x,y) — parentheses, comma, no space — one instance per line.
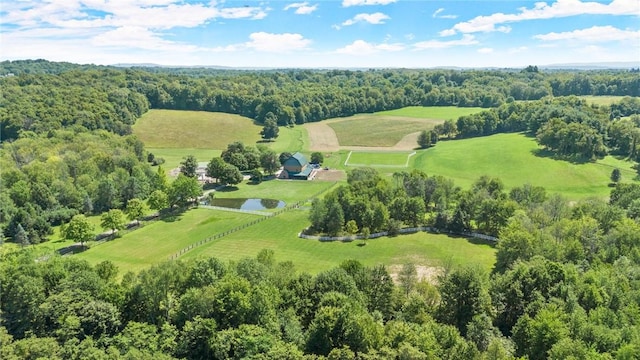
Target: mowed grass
(432,112)
(378,158)
(517,159)
(157,240)
(280,234)
(377,130)
(194,129)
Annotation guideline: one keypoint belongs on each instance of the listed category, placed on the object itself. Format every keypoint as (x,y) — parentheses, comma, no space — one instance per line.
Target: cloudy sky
(321,33)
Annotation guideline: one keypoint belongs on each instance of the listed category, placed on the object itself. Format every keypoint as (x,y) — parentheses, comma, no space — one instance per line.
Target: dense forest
(566,285)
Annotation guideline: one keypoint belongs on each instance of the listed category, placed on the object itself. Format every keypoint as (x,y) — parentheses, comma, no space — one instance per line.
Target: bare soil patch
(425,273)
(330,175)
(322,137)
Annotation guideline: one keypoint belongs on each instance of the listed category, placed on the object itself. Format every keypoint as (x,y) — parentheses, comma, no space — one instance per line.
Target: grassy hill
(194,129)
(517,159)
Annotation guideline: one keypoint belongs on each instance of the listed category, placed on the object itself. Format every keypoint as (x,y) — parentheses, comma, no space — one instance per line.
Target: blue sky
(325,33)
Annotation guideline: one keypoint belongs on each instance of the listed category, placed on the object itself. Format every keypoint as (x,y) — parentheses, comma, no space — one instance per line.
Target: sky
(321,33)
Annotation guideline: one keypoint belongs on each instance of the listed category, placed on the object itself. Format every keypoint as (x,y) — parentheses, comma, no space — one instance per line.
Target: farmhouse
(296,167)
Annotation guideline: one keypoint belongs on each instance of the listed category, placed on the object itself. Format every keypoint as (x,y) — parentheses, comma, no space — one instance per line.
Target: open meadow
(378,158)
(517,159)
(432,112)
(377,130)
(194,129)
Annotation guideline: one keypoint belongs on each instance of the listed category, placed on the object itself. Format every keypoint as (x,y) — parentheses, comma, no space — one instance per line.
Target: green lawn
(378,158)
(157,240)
(432,112)
(377,130)
(290,140)
(516,160)
(280,234)
(194,129)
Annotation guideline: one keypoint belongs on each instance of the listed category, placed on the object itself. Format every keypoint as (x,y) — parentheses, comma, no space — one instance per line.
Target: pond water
(248,204)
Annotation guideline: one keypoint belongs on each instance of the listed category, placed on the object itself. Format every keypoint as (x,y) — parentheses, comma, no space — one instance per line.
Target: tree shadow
(228,189)
(546,153)
(172,215)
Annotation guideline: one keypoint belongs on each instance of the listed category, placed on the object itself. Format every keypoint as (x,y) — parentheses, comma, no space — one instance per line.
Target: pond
(248,204)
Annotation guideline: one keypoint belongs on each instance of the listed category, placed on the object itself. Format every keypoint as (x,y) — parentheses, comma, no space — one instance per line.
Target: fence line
(264,217)
(401,231)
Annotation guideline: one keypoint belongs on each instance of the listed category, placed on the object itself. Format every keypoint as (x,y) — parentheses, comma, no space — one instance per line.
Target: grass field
(602,100)
(194,129)
(377,130)
(156,241)
(516,160)
(280,235)
(378,158)
(432,112)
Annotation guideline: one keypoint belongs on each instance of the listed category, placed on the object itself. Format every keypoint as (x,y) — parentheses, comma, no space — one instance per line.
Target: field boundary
(406,164)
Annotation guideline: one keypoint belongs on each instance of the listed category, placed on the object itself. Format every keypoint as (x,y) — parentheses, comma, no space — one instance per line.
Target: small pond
(248,204)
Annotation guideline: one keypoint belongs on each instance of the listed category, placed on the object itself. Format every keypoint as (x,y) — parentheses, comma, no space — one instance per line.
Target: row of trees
(565,285)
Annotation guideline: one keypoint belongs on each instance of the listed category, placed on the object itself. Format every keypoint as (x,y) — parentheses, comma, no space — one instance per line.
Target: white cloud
(280,43)
(485,50)
(558,9)
(361,47)
(436,14)
(438,44)
(375,19)
(347,3)
(302,8)
(152,14)
(593,34)
(139,38)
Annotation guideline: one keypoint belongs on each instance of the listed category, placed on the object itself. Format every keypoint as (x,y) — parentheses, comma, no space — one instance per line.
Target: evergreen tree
(21,236)
(188,166)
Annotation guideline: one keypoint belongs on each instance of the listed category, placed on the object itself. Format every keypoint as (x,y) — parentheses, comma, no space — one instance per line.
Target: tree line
(43,96)
(565,285)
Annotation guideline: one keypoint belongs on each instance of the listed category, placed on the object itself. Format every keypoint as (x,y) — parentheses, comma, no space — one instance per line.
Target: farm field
(432,112)
(516,160)
(376,130)
(280,235)
(194,129)
(174,156)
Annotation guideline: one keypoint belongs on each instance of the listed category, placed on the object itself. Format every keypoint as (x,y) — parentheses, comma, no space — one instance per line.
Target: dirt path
(324,139)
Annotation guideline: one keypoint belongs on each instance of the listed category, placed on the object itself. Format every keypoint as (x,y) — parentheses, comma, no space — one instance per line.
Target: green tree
(351,227)
(215,168)
(114,220)
(79,229)
(184,191)
(269,161)
(317,158)
(284,157)
(188,166)
(270,129)
(231,175)
(136,209)
(158,200)
(21,237)
(616,175)
(424,139)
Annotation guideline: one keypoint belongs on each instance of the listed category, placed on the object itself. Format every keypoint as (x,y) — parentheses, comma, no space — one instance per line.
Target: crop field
(194,129)
(377,130)
(432,112)
(516,160)
(378,158)
(280,234)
